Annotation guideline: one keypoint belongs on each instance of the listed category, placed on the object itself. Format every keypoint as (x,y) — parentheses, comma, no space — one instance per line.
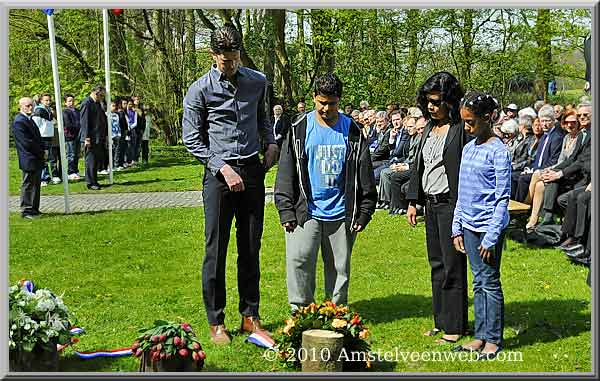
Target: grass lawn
(170,169)
(119,277)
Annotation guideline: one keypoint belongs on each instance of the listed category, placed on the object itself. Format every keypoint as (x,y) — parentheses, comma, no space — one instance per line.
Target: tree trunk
(269,56)
(543,34)
(118,55)
(467,42)
(191,46)
(282,58)
(412,21)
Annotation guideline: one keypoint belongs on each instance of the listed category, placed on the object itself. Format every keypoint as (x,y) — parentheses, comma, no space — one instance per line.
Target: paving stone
(119,201)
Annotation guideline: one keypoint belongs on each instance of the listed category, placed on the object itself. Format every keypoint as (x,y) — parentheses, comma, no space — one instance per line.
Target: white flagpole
(59,115)
(108,102)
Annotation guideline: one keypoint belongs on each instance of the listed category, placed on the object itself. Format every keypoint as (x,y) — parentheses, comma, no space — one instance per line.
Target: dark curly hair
(225,39)
(329,85)
(450,90)
(480,104)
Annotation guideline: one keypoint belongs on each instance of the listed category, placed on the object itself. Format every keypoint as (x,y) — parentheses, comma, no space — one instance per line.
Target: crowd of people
(459,159)
(455,157)
(36,135)
(550,151)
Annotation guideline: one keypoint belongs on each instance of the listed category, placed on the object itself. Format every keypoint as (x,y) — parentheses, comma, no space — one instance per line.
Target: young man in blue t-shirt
(325,193)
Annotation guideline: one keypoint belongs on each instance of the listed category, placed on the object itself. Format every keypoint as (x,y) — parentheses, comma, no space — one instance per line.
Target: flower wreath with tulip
(169,340)
(326,316)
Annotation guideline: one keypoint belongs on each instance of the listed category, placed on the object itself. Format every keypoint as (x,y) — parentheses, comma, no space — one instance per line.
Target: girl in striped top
(480,217)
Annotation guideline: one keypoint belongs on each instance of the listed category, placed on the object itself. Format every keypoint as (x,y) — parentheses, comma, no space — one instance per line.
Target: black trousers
(448,270)
(94,159)
(577,212)
(145,150)
(220,207)
(30,192)
(522,186)
(397,180)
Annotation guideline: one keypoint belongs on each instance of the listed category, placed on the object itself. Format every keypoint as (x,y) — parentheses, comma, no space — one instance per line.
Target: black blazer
(455,141)
(577,167)
(93,121)
(281,128)
(29,143)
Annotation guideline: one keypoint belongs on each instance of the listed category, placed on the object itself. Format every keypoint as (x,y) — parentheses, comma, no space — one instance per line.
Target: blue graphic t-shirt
(325,148)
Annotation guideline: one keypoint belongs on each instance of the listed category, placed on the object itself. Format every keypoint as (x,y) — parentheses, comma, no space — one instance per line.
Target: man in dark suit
(31,158)
(93,134)
(547,153)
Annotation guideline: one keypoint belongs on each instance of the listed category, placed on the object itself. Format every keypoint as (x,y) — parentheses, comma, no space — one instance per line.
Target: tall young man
(224,123)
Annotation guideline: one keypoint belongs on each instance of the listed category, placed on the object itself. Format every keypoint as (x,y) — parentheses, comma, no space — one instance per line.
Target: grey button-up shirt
(222,122)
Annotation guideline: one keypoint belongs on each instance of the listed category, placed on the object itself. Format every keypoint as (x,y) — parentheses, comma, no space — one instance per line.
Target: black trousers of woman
(448,270)
(397,180)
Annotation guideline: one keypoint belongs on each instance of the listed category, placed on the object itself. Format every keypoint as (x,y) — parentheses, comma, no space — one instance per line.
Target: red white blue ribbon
(106,353)
(94,354)
(261,339)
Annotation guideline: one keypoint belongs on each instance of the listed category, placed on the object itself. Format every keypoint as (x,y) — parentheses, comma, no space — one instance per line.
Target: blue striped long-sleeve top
(483,190)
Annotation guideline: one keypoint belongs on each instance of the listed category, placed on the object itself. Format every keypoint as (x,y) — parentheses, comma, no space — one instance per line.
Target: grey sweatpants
(302,247)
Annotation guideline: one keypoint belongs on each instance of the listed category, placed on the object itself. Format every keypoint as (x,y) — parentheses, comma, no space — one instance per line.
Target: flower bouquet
(38,321)
(325,316)
(169,347)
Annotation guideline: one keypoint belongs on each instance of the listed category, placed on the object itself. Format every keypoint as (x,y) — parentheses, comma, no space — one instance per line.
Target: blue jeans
(487,289)
(73,147)
(53,160)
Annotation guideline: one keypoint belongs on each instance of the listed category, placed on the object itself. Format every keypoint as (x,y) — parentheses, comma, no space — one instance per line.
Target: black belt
(438,198)
(254,159)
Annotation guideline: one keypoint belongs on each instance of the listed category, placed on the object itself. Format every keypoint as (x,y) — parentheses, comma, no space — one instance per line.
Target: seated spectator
(363,106)
(547,154)
(348,110)
(576,225)
(538,105)
(392,143)
(537,185)
(415,112)
(354,115)
(509,131)
(380,149)
(511,111)
(526,150)
(402,171)
(527,112)
(402,132)
(559,111)
(371,130)
(572,173)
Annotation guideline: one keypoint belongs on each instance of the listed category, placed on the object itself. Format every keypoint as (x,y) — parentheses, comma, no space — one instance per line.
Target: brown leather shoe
(251,324)
(219,335)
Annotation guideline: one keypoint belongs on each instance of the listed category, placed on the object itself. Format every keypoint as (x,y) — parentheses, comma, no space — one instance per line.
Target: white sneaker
(73,177)
(56,180)
(103,172)
(118,169)
(44,183)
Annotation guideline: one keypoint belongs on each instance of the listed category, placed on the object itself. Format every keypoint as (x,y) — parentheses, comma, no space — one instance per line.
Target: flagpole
(108,101)
(59,114)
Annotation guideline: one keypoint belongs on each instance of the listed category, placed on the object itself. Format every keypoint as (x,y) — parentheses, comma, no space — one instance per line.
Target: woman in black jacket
(434,184)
